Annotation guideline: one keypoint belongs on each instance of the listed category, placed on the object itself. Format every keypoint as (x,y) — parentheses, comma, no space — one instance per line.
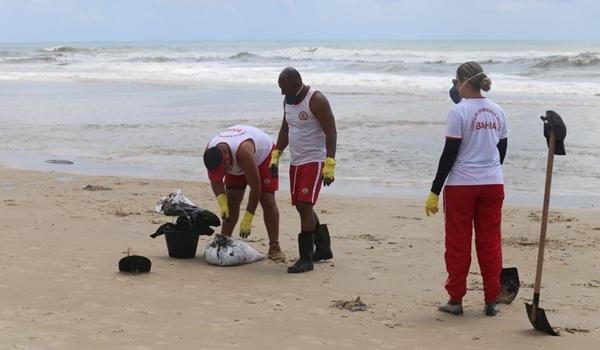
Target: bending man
(240,156)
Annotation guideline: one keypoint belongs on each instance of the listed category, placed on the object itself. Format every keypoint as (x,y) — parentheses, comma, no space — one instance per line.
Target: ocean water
(148,109)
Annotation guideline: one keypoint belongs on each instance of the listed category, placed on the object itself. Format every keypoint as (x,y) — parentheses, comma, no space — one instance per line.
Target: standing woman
(471,166)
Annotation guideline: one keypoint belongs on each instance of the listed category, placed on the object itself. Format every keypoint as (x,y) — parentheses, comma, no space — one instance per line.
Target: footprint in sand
(574,330)
(553,217)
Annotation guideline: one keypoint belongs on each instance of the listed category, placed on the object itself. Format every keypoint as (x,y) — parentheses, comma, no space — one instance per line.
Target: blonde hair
(474,75)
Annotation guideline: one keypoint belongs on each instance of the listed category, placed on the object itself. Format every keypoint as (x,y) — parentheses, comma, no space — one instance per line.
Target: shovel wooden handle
(544,225)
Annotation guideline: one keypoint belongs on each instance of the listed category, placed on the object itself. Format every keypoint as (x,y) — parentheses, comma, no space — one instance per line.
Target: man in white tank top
(238,156)
(308,127)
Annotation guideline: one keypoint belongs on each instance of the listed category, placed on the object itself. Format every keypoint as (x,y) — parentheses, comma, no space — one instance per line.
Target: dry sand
(60,287)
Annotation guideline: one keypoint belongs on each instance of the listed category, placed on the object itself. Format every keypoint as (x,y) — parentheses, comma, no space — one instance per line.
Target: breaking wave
(21,60)
(152,59)
(585,59)
(398,67)
(66,49)
(243,55)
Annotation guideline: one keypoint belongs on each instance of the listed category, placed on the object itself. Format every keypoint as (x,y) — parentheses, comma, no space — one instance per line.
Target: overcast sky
(141,20)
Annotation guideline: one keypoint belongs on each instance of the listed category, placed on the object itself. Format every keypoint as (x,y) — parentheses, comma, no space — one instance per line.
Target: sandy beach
(60,286)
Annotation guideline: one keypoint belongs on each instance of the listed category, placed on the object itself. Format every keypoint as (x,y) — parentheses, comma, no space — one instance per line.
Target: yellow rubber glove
(224,207)
(246,225)
(328,171)
(431,204)
(274,164)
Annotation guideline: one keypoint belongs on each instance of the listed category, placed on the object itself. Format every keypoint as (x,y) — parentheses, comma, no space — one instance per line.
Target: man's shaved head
(289,81)
(291,75)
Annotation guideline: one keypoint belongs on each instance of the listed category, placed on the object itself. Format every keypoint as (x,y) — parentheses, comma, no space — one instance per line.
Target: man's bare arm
(321,108)
(245,159)
(283,137)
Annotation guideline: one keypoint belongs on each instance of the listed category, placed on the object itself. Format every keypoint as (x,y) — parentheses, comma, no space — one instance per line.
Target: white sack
(224,251)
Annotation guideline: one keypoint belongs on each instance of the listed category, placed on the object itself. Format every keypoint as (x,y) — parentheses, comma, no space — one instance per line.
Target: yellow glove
(222,199)
(274,164)
(246,225)
(328,171)
(431,204)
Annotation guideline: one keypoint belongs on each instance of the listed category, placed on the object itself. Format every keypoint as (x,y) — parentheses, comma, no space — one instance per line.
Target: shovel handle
(544,225)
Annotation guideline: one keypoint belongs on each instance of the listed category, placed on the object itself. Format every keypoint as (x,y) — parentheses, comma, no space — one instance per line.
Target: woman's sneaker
(451,308)
(491,309)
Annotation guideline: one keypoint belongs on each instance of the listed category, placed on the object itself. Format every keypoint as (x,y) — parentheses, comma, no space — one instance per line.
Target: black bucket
(182,242)
(182,237)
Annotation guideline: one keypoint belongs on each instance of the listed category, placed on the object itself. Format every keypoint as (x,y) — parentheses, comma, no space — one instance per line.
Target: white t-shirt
(306,136)
(235,135)
(480,123)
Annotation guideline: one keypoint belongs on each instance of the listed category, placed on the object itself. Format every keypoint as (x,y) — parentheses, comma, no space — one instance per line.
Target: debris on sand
(60,161)
(351,305)
(96,188)
(591,284)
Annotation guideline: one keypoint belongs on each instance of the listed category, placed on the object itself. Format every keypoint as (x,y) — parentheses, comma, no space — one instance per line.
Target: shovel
(134,263)
(537,315)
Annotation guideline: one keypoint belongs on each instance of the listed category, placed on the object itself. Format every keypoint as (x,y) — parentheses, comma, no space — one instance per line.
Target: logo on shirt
(303,115)
(304,190)
(267,181)
(485,125)
(232,132)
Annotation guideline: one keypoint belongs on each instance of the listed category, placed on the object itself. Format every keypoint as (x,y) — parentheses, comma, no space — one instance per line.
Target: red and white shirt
(480,123)
(235,135)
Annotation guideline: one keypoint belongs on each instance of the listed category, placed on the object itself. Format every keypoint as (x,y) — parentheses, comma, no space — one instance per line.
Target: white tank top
(306,137)
(235,135)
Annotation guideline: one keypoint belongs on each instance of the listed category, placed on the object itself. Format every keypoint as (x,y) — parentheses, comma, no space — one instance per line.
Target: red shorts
(268,183)
(305,182)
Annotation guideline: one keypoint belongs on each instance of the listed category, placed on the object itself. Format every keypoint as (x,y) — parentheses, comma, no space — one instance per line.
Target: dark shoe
(491,309)
(305,248)
(451,308)
(322,244)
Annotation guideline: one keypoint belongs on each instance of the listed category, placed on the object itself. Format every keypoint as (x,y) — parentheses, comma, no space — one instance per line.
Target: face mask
(454,94)
(293,99)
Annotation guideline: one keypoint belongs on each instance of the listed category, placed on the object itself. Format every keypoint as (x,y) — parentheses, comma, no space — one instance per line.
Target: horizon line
(298,40)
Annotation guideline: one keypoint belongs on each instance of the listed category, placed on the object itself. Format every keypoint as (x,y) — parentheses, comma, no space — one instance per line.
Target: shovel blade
(510,284)
(135,264)
(539,320)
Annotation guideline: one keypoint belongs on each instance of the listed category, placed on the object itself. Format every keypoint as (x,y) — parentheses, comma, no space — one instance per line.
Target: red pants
(465,207)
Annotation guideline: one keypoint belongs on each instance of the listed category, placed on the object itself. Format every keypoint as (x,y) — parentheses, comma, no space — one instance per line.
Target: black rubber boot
(322,244)
(305,247)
